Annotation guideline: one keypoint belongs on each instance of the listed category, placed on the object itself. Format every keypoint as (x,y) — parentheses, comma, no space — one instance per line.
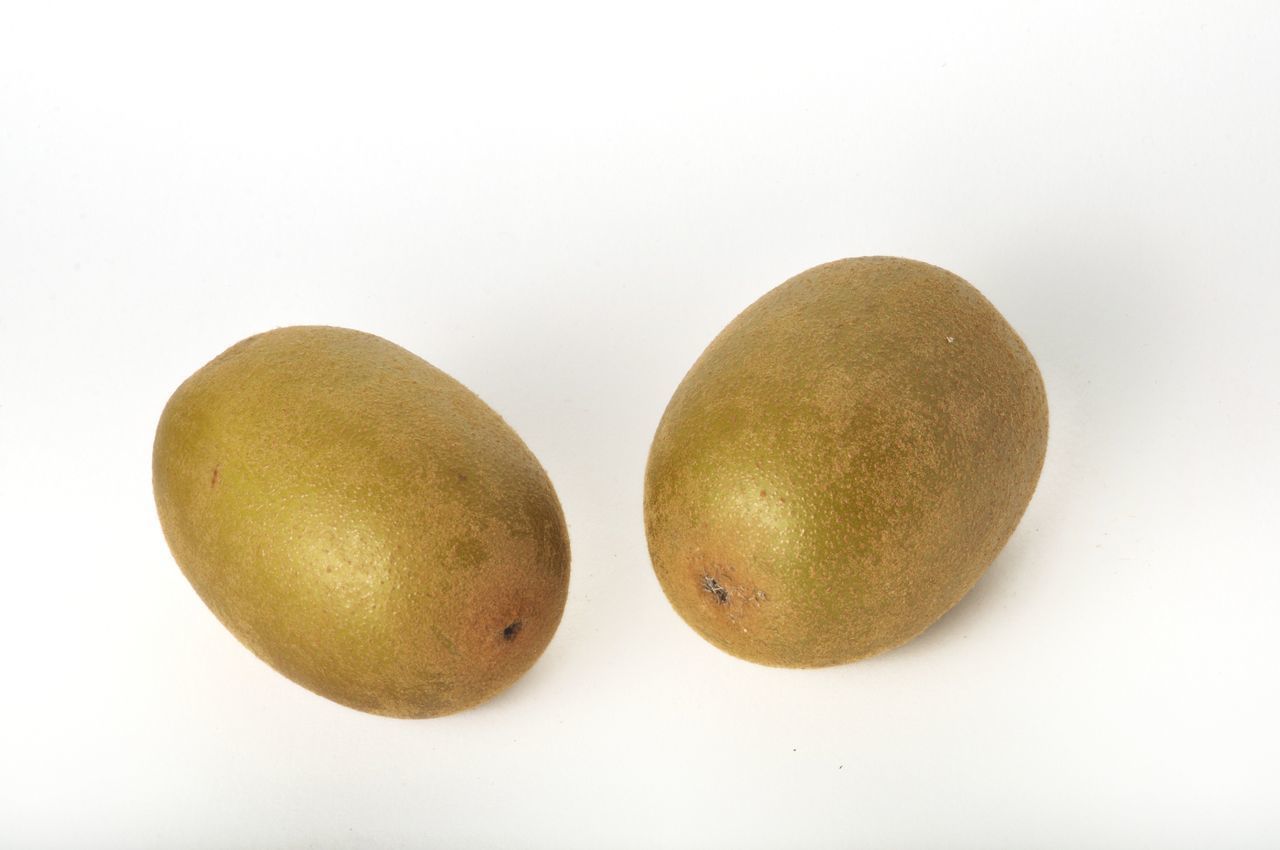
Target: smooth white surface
(561,206)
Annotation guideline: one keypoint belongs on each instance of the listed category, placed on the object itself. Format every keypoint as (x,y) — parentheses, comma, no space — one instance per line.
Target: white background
(561,206)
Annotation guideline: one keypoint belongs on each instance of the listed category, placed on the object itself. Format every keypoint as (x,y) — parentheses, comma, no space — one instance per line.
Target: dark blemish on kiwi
(213,482)
(462,476)
(510,632)
(716,589)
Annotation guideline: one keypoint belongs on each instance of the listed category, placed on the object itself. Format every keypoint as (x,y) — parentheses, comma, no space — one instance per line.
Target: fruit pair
(835,472)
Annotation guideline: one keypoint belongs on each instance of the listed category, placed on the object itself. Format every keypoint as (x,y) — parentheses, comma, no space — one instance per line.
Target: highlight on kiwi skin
(843,462)
(361,521)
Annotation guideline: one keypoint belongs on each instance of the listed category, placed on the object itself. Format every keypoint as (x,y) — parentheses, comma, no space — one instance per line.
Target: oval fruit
(843,462)
(361,521)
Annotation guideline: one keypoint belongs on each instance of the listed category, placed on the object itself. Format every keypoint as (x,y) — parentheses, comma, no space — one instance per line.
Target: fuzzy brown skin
(843,462)
(361,521)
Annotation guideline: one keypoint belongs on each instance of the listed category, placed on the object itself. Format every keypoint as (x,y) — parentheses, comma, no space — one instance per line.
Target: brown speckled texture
(361,521)
(843,462)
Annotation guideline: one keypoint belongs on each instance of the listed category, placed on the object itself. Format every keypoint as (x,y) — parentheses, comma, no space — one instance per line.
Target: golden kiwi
(361,521)
(843,462)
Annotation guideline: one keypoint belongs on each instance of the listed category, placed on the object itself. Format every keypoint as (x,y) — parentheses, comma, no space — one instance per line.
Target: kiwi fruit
(843,462)
(361,521)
